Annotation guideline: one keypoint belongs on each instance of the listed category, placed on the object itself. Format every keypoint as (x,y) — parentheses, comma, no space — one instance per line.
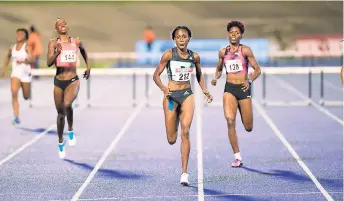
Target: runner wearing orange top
(149,37)
(35,41)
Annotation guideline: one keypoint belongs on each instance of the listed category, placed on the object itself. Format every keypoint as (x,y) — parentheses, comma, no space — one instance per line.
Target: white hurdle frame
(148,73)
(301,70)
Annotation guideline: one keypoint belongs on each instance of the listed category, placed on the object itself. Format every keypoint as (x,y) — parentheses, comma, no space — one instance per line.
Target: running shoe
(237,163)
(71,138)
(184,179)
(62,150)
(16,120)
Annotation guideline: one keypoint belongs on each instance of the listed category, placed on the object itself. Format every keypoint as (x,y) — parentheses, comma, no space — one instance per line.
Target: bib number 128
(234,67)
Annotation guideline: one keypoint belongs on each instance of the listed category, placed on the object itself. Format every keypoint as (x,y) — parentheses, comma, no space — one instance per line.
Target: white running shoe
(62,150)
(16,121)
(184,179)
(71,138)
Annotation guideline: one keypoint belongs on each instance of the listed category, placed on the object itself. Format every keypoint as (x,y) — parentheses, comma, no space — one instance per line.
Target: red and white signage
(320,46)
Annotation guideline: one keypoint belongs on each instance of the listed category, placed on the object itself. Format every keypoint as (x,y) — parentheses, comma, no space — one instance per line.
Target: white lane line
(291,150)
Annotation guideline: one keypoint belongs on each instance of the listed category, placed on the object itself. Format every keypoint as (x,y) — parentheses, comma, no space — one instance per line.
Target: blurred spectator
(323,46)
(149,37)
(36,43)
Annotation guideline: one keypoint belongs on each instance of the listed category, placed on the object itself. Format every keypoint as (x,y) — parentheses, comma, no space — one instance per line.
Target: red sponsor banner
(320,46)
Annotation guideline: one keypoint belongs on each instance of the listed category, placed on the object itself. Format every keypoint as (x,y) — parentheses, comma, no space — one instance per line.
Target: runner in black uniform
(178,102)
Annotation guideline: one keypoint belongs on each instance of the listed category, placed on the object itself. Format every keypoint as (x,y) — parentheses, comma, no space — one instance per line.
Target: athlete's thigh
(71,92)
(230,105)
(246,111)
(15,85)
(26,87)
(26,78)
(187,111)
(171,116)
(58,98)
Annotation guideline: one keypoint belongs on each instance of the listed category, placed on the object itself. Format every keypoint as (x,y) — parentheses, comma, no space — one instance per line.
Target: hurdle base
(332,103)
(286,103)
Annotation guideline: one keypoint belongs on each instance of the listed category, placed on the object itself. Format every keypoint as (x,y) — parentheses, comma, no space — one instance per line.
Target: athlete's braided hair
(238,24)
(181,27)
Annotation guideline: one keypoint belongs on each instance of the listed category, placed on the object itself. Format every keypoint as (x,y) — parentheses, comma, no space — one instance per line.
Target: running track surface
(141,165)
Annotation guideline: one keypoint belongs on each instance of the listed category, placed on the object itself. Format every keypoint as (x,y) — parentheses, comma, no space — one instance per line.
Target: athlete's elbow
(219,73)
(258,71)
(49,64)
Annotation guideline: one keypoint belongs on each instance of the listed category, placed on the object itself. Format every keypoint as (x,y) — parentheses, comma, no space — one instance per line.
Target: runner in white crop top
(21,60)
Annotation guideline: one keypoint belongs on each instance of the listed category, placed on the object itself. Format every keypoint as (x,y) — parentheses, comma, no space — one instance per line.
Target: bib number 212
(184,76)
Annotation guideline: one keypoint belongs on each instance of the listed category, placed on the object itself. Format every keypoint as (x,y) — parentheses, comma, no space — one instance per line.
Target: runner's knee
(230,120)
(61,115)
(26,96)
(14,95)
(67,104)
(185,129)
(172,137)
(248,127)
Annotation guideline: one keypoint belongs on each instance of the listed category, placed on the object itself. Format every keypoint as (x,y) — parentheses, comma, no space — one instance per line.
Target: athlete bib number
(233,66)
(183,74)
(181,70)
(184,77)
(68,56)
